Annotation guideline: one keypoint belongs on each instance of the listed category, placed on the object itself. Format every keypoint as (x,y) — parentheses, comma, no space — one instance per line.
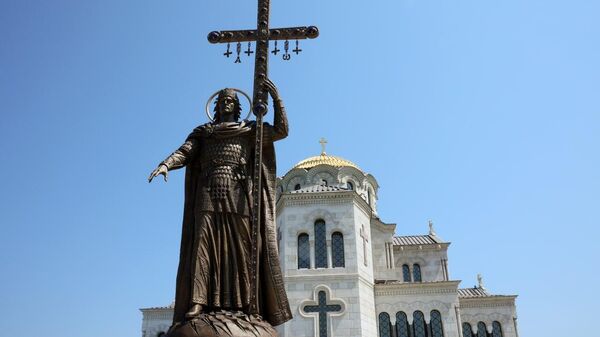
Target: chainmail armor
(223,164)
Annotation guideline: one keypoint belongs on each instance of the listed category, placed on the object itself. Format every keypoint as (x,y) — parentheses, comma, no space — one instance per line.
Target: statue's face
(227,105)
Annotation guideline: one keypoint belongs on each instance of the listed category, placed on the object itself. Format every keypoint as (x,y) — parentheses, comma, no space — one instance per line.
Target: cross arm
(292,33)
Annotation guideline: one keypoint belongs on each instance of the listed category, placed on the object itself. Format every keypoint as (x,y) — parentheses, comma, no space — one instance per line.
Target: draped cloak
(272,300)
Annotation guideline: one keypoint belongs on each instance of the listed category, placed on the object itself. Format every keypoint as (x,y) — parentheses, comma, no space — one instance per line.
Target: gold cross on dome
(323,142)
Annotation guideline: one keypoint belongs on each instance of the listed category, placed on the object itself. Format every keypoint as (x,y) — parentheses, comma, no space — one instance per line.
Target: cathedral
(347,274)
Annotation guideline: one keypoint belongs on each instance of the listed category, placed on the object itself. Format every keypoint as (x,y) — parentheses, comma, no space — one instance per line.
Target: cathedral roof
(411,240)
(319,188)
(324,159)
(170,306)
(473,292)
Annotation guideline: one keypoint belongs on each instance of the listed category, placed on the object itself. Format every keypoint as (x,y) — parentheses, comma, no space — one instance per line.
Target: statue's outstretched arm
(176,160)
(280,122)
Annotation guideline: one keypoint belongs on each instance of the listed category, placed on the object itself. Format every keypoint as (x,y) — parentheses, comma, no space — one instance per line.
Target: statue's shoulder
(202,131)
(252,124)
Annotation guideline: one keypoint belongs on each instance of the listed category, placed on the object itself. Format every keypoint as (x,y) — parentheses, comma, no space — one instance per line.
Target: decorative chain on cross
(238,49)
(286,47)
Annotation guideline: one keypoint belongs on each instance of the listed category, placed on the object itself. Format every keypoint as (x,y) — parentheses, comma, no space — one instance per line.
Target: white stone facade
(379,279)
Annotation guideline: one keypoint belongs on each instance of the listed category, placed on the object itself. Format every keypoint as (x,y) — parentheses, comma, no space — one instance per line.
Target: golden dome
(311,162)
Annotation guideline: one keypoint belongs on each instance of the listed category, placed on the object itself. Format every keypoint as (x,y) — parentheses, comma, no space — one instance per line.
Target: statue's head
(227,106)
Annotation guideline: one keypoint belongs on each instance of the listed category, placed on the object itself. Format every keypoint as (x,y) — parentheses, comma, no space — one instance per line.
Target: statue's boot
(194,311)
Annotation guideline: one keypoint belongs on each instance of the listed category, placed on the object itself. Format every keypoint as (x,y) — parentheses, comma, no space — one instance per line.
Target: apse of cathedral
(347,274)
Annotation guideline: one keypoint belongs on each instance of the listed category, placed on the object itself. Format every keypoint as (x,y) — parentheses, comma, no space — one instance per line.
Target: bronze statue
(214,291)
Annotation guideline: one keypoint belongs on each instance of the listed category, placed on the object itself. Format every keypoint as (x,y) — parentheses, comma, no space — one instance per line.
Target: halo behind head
(221,93)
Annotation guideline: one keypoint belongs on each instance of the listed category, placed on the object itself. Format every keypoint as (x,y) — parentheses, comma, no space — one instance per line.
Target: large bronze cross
(261,35)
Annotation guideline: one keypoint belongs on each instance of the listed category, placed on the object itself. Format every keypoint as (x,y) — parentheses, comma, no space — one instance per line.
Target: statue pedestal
(223,324)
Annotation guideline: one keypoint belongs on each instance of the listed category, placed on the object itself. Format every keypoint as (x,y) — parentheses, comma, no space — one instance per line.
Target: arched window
(405,273)
(350,186)
(419,326)
(320,245)
(436,324)
(337,249)
(467,330)
(303,251)
(496,329)
(481,330)
(416,273)
(369,196)
(385,326)
(401,324)
(297,187)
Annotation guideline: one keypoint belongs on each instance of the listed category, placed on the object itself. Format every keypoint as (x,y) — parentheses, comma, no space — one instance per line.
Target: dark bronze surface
(217,279)
(261,35)
(228,226)
(293,33)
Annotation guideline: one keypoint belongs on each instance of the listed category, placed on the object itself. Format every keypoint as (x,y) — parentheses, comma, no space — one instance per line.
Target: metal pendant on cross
(261,36)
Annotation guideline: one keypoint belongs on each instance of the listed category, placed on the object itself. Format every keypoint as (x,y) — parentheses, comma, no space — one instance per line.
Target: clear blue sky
(481,115)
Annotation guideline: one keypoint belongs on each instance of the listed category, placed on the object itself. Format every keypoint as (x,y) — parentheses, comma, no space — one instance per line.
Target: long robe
(272,299)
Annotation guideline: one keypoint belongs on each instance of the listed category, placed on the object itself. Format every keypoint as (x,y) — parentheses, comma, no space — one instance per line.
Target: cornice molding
(326,277)
(430,246)
(382,226)
(416,288)
(487,302)
(316,198)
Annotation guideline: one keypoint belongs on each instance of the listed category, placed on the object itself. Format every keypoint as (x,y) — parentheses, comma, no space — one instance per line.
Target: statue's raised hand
(272,89)
(161,169)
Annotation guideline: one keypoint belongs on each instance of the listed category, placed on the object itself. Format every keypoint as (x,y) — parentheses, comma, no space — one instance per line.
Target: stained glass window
(436,324)
(320,245)
(481,330)
(385,325)
(337,249)
(416,273)
(419,326)
(303,251)
(467,330)
(323,309)
(401,324)
(405,273)
(496,329)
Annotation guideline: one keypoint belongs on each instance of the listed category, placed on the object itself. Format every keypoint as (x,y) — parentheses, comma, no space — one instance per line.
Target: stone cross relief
(365,237)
